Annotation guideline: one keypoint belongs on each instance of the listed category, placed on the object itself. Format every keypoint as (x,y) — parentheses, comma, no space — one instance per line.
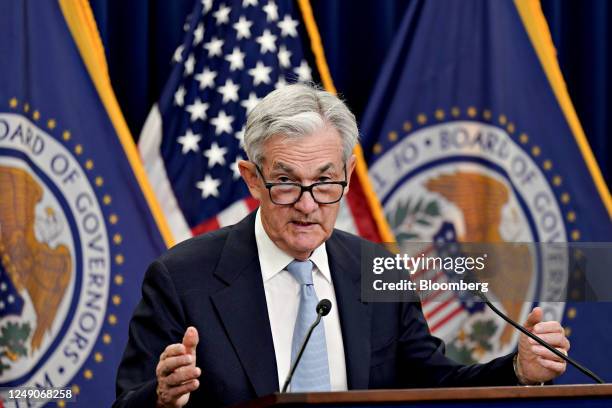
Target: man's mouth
(302,223)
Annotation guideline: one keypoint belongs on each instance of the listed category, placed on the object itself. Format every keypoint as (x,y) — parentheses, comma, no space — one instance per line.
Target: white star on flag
(288,26)
(178,53)
(209,186)
(303,72)
(189,65)
(222,123)
(222,15)
(214,47)
(280,83)
(189,142)
(215,155)
(250,103)
(271,11)
(246,3)
(235,168)
(229,91)
(179,96)
(240,136)
(236,59)
(198,34)
(267,42)
(206,78)
(243,28)
(197,110)
(284,57)
(260,74)
(206,5)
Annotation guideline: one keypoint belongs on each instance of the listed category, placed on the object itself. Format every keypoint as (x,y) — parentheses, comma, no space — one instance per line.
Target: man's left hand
(536,364)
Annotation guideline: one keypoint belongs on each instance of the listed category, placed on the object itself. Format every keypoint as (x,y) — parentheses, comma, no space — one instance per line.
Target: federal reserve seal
(55,258)
(475,181)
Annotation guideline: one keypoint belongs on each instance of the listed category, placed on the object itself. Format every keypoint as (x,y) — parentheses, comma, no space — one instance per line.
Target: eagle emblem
(35,269)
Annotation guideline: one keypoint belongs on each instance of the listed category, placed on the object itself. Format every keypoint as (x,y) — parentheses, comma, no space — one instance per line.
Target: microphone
(323,308)
(526,332)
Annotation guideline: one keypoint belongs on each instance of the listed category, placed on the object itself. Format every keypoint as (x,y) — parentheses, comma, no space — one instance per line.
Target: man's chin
(306,244)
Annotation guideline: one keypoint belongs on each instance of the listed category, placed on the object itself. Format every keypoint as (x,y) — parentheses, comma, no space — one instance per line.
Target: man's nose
(306,204)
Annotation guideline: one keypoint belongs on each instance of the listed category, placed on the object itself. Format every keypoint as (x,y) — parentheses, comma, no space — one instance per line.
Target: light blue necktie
(312,373)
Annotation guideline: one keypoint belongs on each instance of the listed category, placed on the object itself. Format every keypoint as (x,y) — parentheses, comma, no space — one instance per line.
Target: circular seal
(55,269)
(475,178)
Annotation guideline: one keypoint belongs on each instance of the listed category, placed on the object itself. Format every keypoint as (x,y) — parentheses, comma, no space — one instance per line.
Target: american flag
(444,309)
(234,53)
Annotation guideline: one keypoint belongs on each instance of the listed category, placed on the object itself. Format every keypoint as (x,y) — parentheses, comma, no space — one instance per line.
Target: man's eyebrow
(326,167)
(284,167)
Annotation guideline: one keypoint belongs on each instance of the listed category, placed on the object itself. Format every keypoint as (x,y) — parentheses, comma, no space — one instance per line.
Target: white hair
(298,110)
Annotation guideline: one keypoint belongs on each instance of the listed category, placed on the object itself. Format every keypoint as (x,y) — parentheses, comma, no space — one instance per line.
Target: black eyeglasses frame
(303,188)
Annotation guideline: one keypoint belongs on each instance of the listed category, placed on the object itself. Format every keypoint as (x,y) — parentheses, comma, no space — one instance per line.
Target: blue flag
(76,232)
(470,127)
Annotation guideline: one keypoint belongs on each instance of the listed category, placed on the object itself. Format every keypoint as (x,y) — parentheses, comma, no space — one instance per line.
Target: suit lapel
(354,315)
(242,307)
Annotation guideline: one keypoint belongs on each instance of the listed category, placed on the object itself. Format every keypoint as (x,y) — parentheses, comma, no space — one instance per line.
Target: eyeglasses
(324,192)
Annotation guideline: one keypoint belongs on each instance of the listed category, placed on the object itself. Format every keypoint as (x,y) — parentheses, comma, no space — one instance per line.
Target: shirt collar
(273,260)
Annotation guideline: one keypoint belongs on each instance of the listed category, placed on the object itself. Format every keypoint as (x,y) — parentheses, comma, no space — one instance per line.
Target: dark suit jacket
(213,282)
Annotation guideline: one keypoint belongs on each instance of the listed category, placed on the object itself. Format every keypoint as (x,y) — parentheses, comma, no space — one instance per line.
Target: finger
(168,395)
(182,375)
(548,327)
(554,339)
(169,365)
(534,318)
(555,366)
(543,352)
(172,350)
(191,339)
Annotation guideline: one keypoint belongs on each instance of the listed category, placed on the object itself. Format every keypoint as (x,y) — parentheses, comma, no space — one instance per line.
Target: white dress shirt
(283,299)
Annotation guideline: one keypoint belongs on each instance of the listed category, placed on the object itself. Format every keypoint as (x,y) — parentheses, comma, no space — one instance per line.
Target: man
(222,315)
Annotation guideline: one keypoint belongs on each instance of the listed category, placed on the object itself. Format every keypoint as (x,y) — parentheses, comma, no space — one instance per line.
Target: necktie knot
(301,271)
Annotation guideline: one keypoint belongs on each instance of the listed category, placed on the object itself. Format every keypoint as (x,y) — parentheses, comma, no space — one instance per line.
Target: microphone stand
(550,348)
(322,310)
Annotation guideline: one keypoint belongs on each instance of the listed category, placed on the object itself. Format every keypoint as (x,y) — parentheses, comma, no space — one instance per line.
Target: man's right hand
(177,374)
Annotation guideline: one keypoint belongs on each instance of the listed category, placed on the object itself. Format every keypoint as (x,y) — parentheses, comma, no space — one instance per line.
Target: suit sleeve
(423,363)
(158,321)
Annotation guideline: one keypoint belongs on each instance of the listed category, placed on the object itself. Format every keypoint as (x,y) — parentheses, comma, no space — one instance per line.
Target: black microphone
(526,332)
(323,308)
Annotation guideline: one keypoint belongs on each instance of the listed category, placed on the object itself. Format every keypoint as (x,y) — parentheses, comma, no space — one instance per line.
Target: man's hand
(536,364)
(177,374)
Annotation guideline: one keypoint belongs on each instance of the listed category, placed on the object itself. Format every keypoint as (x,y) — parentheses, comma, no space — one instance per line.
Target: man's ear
(350,166)
(249,175)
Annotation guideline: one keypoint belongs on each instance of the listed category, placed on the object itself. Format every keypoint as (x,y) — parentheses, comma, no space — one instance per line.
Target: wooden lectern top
(432,394)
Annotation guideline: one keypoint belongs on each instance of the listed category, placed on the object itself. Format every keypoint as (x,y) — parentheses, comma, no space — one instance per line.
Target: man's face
(298,229)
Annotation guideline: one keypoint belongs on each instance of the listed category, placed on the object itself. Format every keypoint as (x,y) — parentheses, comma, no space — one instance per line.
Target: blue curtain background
(140,37)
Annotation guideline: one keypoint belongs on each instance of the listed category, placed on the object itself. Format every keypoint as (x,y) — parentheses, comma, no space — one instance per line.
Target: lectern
(552,396)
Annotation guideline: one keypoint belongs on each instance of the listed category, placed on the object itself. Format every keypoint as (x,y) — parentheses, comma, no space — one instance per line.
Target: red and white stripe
(440,308)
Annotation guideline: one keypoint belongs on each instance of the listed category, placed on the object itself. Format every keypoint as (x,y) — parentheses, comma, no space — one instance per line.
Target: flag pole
(82,25)
(361,167)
